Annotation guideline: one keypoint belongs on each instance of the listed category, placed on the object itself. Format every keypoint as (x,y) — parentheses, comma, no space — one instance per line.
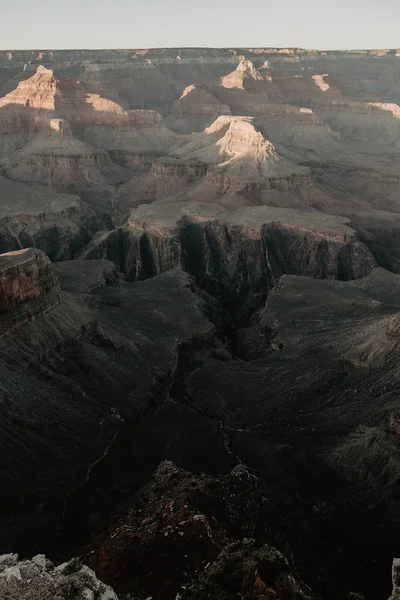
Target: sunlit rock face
(27,276)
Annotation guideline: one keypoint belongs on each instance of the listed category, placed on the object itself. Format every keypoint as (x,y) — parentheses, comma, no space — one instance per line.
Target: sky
(321,24)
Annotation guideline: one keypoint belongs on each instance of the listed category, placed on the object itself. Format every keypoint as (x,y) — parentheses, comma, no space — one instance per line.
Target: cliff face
(28,287)
(59,160)
(242,127)
(195,110)
(58,224)
(236,255)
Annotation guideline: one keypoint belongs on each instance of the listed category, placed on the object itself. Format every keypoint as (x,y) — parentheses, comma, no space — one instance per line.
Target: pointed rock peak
(244,70)
(42,69)
(36,92)
(222,122)
(43,73)
(43,76)
(242,139)
(246,66)
(236,137)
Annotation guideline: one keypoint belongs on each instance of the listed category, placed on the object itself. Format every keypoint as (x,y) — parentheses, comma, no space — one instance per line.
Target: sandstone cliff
(235,254)
(28,287)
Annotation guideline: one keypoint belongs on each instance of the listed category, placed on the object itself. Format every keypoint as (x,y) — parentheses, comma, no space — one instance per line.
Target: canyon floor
(200,324)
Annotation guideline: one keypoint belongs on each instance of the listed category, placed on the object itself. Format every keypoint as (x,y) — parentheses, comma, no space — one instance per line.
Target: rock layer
(235,254)
(28,287)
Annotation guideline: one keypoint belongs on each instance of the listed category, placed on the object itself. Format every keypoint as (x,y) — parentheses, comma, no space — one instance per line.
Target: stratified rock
(234,147)
(235,254)
(136,142)
(59,160)
(38,578)
(231,163)
(59,224)
(82,276)
(195,110)
(362,122)
(46,96)
(135,81)
(294,180)
(28,288)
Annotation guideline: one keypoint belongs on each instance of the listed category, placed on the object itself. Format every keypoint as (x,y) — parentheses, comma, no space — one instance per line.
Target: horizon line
(243,47)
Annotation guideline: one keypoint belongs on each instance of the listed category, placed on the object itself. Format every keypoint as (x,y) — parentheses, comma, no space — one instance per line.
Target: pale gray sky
(44,24)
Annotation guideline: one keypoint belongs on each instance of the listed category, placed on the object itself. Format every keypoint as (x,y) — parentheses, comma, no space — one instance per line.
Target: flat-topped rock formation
(137,142)
(83,276)
(230,163)
(59,160)
(234,253)
(58,224)
(28,287)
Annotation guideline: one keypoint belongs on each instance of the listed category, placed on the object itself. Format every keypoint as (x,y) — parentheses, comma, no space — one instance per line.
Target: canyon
(199,324)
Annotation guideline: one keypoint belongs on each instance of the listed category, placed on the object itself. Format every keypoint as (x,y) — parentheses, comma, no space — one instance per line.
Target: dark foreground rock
(251,572)
(73,371)
(180,541)
(117,377)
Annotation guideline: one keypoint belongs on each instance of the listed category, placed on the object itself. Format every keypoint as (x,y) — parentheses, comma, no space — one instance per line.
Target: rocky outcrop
(28,287)
(235,254)
(195,110)
(192,520)
(362,122)
(395,580)
(81,276)
(230,163)
(47,96)
(36,92)
(38,578)
(59,160)
(245,75)
(253,571)
(137,142)
(58,224)
(136,82)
